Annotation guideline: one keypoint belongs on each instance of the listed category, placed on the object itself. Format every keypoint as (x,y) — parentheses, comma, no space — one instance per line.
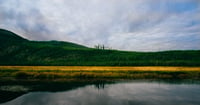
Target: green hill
(8,39)
(15,50)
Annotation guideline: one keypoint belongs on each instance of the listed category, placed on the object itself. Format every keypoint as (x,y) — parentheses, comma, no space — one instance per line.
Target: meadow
(96,72)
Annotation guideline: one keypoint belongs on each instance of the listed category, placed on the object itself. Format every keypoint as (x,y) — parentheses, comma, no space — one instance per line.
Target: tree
(100,47)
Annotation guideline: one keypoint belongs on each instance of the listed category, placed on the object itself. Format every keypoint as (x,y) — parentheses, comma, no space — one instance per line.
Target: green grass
(15,50)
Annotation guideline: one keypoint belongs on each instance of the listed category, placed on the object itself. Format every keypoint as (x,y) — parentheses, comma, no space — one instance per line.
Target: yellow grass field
(98,72)
(99,68)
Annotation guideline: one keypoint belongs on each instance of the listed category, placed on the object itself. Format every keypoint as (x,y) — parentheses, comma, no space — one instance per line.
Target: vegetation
(79,72)
(15,50)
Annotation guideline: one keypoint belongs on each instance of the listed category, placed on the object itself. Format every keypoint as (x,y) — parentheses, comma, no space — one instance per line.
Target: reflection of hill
(6,95)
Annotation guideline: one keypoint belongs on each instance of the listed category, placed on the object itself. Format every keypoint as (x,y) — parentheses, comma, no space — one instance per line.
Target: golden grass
(99,68)
(98,72)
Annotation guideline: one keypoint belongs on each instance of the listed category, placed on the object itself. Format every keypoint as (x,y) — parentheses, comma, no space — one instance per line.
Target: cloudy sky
(137,25)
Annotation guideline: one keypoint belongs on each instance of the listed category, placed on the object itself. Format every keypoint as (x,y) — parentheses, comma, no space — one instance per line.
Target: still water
(116,93)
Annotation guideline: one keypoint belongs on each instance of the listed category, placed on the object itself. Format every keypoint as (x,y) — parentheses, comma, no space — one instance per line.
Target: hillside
(15,50)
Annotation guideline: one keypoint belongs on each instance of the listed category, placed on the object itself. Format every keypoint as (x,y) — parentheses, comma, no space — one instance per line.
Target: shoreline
(96,72)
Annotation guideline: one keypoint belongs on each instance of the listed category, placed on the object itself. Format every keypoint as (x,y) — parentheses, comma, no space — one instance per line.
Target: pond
(136,92)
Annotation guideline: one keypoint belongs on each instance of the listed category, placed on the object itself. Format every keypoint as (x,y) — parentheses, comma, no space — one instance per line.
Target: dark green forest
(15,50)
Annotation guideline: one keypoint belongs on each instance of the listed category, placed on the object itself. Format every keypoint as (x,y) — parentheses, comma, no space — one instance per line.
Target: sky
(133,25)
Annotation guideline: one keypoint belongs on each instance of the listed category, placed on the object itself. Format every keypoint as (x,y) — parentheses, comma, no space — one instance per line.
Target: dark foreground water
(100,93)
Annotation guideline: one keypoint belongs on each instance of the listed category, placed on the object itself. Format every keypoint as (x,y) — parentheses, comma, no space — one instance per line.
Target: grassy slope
(15,50)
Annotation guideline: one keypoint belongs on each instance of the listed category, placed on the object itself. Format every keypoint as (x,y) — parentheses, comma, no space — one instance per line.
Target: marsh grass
(85,72)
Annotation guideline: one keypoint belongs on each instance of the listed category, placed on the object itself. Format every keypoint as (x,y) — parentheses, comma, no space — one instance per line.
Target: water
(115,93)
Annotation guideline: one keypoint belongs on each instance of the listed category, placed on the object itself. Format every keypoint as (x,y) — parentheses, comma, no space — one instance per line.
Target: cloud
(139,25)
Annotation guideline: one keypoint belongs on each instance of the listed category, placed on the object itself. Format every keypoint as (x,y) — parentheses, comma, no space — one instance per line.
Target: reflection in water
(121,93)
(11,90)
